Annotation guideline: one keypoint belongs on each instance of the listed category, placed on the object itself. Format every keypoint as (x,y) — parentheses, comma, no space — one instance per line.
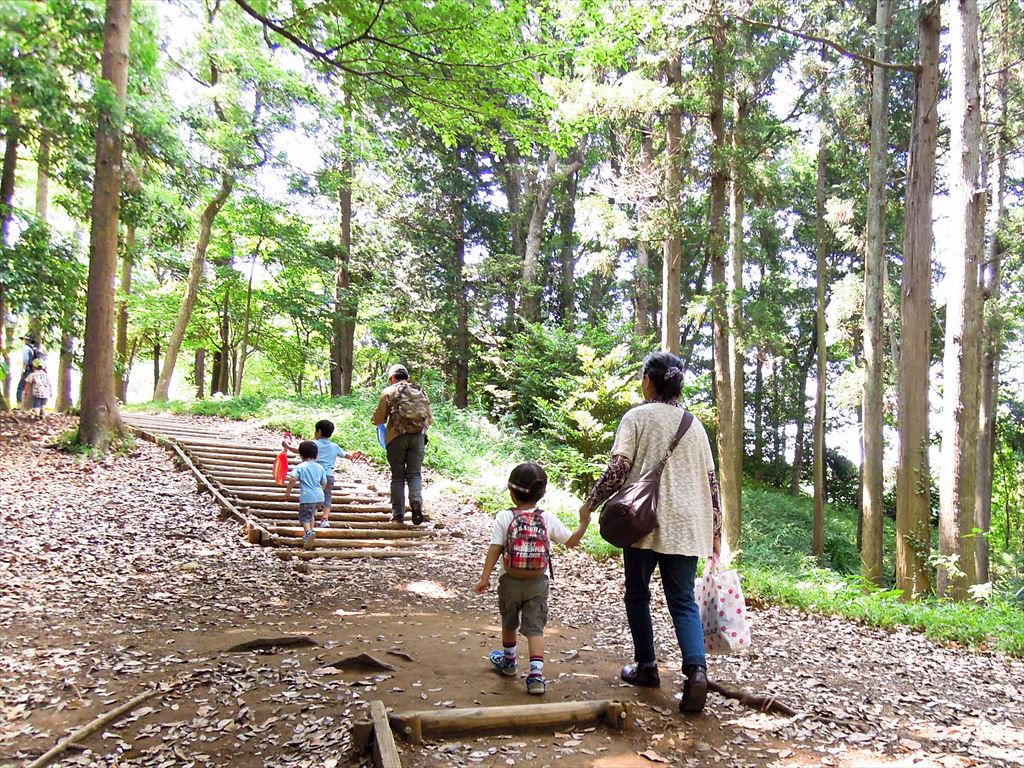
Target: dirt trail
(116,574)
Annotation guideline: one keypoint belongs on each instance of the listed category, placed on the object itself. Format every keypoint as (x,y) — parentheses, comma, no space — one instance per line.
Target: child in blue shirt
(312,480)
(328,453)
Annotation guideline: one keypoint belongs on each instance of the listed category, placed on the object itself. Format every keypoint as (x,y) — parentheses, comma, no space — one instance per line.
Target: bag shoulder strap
(684,427)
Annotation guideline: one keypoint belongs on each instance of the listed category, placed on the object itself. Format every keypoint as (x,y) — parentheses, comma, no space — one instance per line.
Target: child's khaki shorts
(523,602)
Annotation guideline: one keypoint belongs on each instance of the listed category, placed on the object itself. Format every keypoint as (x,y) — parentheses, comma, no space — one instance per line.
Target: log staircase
(239,475)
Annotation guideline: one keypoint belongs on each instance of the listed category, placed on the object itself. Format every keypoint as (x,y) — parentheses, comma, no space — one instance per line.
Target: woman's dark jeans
(677,576)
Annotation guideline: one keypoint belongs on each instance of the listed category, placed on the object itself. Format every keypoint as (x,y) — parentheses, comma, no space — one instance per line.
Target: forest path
(116,574)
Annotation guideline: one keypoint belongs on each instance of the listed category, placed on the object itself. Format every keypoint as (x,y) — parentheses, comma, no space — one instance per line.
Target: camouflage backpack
(410,412)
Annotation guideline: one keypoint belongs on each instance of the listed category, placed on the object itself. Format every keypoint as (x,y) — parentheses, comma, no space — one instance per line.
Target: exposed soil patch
(116,575)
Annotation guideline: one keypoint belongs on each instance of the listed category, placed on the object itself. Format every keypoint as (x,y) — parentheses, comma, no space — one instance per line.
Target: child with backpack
(38,383)
(522,539)
(312,480)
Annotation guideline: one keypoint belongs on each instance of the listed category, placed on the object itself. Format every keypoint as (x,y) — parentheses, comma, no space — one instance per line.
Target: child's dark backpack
(527,547)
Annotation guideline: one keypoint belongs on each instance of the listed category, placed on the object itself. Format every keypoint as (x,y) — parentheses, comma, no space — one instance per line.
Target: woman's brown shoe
(643,675)
(695,691)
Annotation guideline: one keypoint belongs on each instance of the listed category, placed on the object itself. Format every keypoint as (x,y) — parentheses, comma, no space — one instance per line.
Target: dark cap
(396,369)
(31,339)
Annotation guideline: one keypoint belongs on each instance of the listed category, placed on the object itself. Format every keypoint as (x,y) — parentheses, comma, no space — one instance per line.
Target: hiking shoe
(503,664)
(417,512)
(309,540)
(536,685)
(398,519)
(695,691)
(642,675)
(324,524)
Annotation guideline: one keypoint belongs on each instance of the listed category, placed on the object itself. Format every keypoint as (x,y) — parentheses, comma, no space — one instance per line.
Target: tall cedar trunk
(195,276)
(64,399)
(121,368)
(243,353)
(737,209)
(43,177)
(100,419)
(8,182)
(512,176)
(532,290)
(729,483)
(200,370)
(673,249)
(345,307)
(567,300)
(215,372)
(156,364)
(913,477)
(224,382)
(462,331)
(958,480)
(821,355)
(642,269)
(759,413)
(801,398)
(874,317)
(992,329)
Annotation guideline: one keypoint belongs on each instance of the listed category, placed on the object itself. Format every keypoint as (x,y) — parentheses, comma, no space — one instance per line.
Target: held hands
(585,512)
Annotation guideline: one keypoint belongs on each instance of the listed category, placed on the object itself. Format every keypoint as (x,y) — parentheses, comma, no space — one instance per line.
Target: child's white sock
(510,651)
(536,665)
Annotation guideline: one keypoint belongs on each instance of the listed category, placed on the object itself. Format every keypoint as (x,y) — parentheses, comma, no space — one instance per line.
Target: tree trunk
(512,176)
(43,177)
(729,483)
(534,235)
(200,371)
(345,307)
(121,368)
(64,399)
(156,364)
(992,328)
(874,317)
(195,276)
(215,372)
(821,354)
(913,478)
(759,413)
(100,419)
(737,209)
(243,352)
(224,382)
(567,302)
(958,480)
(798,448)
(673,250)
(8,181)
(642,270)
(462,330)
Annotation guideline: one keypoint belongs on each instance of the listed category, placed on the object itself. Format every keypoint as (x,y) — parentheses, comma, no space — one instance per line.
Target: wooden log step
(352,533)
(416,726)
(265,515)
(202,449)
(343,554)
(245,465)
(293,506)
(291,541)
(345,525)
(350,495)
(341,498)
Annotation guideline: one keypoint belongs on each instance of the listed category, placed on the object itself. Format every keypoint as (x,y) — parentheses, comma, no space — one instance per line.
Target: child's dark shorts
(38,402)
(308,511)
(328,491)
(525,602)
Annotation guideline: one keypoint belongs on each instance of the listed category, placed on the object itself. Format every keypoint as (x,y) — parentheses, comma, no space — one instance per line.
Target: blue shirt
(311,477)
(327,454)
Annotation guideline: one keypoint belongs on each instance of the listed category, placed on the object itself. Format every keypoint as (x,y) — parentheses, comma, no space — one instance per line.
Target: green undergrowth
(69,443)
(475,457)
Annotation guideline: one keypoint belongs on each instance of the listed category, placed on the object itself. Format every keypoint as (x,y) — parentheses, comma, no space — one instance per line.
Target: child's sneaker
(503,664)
(324,524)
(536,685)
(309,540)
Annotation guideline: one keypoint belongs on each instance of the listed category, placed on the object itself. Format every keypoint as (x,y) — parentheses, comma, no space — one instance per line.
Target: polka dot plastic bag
(723,612)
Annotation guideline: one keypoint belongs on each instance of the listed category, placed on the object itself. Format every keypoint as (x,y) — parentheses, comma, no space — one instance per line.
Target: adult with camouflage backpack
(405,408)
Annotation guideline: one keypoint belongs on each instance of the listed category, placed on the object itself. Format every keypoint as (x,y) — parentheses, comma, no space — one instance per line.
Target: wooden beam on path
(291,512)
(344,554)
(356,533)
(367,540)
(385,751)
(417,725)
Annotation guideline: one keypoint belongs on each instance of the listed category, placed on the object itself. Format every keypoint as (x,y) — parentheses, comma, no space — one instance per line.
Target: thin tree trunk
(872,513)
(64,399)
(642,270)
(737,209)
(215,372)
(8,181)
(992,328)
(759,414)
(100,419)
(200,370)
(243,353)
(224,383)
(345,306)
(121,368)
(913,478)
(156,364)
(673,249)
(798,448)
(958,480)
(568,259)
(821,354)
(729,483)
(195,276)
(513,183)
(43,177)
(462,330)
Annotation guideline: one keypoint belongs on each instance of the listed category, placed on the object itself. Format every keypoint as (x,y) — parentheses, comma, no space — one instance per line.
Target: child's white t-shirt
(556,530)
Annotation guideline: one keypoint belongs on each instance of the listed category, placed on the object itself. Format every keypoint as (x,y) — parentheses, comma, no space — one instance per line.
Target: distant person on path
(312,480)
(28,354)
(689,524)
(522,537)
(38,383)
(328,453)
(405,408)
